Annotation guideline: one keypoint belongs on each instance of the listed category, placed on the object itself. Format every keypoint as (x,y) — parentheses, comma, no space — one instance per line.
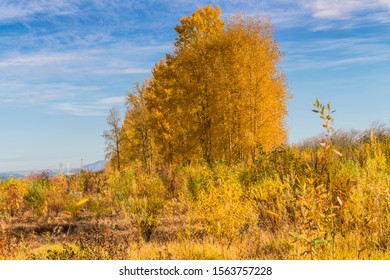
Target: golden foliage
(218,97)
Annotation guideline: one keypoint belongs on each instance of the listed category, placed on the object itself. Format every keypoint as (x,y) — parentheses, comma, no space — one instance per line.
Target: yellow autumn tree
(220,95)
(136,134)
(257,91)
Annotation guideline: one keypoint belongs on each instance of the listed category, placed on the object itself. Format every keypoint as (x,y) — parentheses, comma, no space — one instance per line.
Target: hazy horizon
(50,166)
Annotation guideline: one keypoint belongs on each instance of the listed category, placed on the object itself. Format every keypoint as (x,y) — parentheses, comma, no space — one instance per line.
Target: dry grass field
(300,202)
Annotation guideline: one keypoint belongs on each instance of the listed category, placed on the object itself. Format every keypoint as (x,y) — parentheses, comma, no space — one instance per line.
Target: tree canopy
(219,96)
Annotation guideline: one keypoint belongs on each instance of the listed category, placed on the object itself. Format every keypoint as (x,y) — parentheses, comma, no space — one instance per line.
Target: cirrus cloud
(335,9)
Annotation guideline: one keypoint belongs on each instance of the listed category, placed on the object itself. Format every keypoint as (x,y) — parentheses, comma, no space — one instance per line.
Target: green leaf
(319,240)
(297,235)
(315,111)
(328,106)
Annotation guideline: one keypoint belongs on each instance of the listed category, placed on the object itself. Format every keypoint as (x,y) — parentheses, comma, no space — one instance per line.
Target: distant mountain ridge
(6,175)
(95,166)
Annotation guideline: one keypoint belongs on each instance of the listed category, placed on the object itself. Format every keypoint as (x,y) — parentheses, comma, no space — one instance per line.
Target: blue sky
(65,63)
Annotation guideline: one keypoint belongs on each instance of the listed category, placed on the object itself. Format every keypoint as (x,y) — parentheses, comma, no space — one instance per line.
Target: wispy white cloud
(318,63)
(124,16)
(62,63)
(50,76)
(18,10)
(23,93)
(331,14)
(315,15)
(98,107)
(112,100)
(11,12)
(122,71)
(81,109)
(334,9)
(35,59)
(330,53)
(31,99)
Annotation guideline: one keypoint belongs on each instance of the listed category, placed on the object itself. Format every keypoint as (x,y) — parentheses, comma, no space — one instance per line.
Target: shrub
(35,198)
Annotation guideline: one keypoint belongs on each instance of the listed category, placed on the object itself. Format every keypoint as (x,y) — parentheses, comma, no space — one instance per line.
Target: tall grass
(296,202)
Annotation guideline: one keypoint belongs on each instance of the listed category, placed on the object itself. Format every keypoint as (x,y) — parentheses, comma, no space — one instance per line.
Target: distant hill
(7,175)
(96,166)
